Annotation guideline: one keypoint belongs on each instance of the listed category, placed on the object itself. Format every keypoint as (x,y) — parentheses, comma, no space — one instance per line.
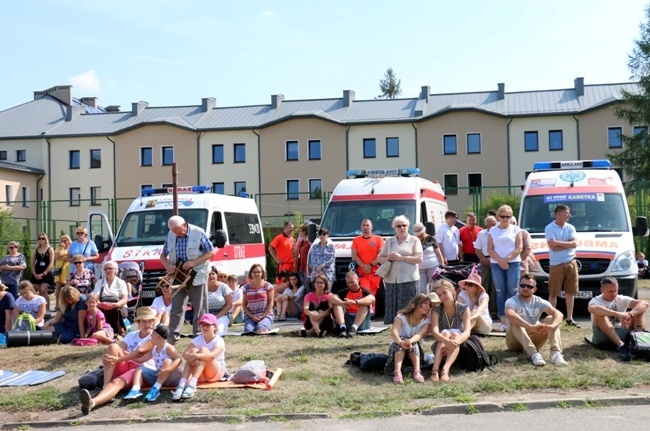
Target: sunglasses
(80,233)
(322,234)
(505,216)
(41,239)
(401,225)
(470,284)
(78,263)
(526,286)
(11,246)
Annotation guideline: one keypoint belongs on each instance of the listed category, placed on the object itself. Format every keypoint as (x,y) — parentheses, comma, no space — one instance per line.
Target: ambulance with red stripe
(599,212)
(378,195)
(232,223)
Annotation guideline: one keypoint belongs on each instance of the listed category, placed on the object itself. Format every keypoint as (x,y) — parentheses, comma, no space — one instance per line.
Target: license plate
(586,294)
(149,294)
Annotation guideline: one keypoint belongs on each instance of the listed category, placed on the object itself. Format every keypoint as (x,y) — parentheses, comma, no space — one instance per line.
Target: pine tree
(390,86)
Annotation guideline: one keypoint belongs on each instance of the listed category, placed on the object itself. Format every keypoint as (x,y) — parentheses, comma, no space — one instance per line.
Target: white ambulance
(599,211)
(232,223)
(379,195)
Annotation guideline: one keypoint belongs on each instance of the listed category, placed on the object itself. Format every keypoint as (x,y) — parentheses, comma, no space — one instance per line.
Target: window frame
(396,138)
(162,155)
(534,133)
(72,201)
(91,158)
(469,183)
(9,194)
(561,134)
(235,187)
(3,155)
(223,188)
(450,190)
(291,143)
(444,144)
(311,192)
(215,160)
(320,149)
(21,156)
(93,195)
(620,137)
(71,165)
(142,154)
(479,143)
(368,141)
(24,196)
(235,147)
(289,194)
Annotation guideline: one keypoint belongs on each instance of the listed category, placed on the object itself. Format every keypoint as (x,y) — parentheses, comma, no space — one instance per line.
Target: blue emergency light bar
(185,189)
(573,164)
(400,172)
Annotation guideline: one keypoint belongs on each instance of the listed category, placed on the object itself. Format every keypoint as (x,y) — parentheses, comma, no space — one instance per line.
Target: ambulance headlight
(624,262)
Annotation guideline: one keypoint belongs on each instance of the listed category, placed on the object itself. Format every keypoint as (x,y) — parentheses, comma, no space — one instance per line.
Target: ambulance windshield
(590,212)
(343,219)
(150,227)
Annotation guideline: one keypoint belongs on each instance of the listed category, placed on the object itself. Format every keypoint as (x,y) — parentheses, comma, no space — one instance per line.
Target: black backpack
(368,362)
(473,357)
(639,342)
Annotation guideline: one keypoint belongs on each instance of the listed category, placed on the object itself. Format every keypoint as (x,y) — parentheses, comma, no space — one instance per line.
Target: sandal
(282,317)
(434,376)
(397,377)
(572,323)
(444,376)
(417,376)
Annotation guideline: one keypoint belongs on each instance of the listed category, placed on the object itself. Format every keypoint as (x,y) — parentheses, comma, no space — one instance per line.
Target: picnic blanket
(272,331)
(229,384)
(373,330)
(28,378)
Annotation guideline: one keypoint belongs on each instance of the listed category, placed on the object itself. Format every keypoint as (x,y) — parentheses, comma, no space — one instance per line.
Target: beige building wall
(380,132)
(491,163)
(20,202)
(594,127)
(131,175)
(522,160)
(276,170)
(229,172)
(35,151)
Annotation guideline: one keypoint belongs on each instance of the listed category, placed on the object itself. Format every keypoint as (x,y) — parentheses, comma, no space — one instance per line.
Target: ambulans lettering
(586,243)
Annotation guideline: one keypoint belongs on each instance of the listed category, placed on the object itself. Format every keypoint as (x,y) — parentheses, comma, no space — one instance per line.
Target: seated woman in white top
(409,328)
(472,294)
(31,303)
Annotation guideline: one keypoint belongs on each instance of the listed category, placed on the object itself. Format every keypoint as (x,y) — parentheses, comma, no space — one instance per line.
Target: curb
(447,409)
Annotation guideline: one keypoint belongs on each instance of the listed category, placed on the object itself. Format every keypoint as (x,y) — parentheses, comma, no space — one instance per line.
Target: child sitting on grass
(205,360)
(166,359)
(96,325)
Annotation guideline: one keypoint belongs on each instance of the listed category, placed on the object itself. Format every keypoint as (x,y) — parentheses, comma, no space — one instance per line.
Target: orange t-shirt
(283,246)
(367,248)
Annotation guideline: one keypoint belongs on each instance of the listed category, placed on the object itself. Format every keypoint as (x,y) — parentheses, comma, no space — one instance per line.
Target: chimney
(138,108)
(112,108)
(579,85)
(424,93)
(208,104)
(72,112)
(90,101)
(348,97)
(62,93)
(501,92)
(276,100)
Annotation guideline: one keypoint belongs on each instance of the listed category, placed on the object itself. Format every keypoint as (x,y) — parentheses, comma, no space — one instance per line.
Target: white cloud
(87,81)
(268,14)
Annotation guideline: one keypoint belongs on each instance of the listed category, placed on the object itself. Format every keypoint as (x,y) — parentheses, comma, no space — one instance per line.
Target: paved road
(584,419)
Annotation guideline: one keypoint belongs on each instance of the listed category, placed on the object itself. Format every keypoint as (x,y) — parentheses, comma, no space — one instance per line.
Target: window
(217,154)
(642,133)
(242,228)
(95,159)
(451,184)
(369,149)
(218,188)
(293,189)
(531,141)
(167,186)
(21,155)
(9,194)
(145,186)
(614,139)
(240,187)
(555,140)
(240,153)
(473,143)
(75,159)
(25,196)
(146,156)
(314,150)
(3,155)
(475,182)
(75,196)
(315,188)
(392,147)
(292,151)
(95,195)
(167,156)
(450,146)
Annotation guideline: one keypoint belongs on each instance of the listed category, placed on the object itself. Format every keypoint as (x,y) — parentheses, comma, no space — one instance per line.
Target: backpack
(473,357)
(92,379)
(368,362)
(85,342)
(25,322)
(251,372)
(639,342)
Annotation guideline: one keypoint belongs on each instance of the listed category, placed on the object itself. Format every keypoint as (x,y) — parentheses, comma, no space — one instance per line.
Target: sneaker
(176,395)
(343,333)
(188,392)
(573,323)
(558,359)
(624,353)
(353,331)
(87,402)
(537,359)
(133,394)
(152,395)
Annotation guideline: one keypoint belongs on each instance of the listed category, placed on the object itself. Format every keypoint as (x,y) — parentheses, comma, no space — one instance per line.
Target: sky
(172,53)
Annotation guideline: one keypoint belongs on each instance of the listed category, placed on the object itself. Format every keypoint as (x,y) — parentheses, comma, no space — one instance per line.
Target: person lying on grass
(451,323)
(205,359)
(409,328)
(167,361)
(121,359)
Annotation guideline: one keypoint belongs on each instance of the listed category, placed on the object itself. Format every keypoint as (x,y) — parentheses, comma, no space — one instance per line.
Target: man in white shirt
(613,316)
(525,331)
(448,237)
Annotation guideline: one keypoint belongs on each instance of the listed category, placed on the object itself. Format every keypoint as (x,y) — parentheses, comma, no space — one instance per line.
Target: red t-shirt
(467,238)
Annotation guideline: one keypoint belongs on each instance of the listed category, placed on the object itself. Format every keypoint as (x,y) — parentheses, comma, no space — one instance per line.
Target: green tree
(390,86)
(635,158)
(10,229)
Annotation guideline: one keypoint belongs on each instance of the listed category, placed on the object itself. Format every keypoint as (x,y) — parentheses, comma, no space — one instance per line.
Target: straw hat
(473,279)
(145,313)
(434,298)
(419,229)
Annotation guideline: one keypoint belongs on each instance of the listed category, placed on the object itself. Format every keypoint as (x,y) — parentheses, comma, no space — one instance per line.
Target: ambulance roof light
(572,164)
(150,191)
(379,173)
